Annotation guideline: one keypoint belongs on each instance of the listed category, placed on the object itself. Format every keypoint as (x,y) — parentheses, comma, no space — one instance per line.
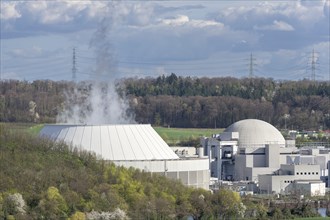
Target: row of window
(288,181)
(309,173)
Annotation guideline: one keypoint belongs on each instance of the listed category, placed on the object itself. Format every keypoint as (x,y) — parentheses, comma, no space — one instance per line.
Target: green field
(313,218)
(184,136)
(172,136)
(31,128)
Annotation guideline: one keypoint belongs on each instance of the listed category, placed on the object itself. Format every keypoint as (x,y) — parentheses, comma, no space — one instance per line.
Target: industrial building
(293,179)
(255,151)
(250,151)
(136,145)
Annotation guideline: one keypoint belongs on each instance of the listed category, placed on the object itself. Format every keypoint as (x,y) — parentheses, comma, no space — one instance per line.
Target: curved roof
(113,142)
(253,132)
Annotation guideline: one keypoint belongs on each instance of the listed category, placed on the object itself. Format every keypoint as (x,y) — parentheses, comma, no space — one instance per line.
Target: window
(317,173)
(297,173)
(312,173)
(301,173)
(305,173)
(309,173)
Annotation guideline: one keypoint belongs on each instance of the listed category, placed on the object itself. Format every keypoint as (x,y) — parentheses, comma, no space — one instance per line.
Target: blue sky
(151,38)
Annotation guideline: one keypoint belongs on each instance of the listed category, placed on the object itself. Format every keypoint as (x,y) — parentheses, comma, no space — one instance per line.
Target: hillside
(42,179)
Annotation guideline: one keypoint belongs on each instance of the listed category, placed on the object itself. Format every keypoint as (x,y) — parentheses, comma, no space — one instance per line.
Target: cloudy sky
(149,38)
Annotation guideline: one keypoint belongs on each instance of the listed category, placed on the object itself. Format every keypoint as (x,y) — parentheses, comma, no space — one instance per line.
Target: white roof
(256,132)
(113,142)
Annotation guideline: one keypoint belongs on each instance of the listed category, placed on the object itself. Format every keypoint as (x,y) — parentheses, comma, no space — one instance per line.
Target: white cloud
(9,11)
(181,20)
(291,12)
(177,21)
(138,14)
(276,26)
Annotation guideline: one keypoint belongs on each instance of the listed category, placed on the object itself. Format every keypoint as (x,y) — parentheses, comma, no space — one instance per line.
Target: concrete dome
(113,142)
(253,132)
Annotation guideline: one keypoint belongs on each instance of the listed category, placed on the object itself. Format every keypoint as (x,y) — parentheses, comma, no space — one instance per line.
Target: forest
(184,102)
(41,179)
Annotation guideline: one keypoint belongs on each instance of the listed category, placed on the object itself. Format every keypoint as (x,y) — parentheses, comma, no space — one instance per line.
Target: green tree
(53,205)
(77,216)
(228,204)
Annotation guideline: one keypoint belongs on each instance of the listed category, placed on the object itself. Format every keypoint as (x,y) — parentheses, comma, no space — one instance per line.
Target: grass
(313,218)
(172,136)
(178,136)
(31,128)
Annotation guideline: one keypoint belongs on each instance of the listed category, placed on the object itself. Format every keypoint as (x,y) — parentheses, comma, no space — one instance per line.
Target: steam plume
(97,102)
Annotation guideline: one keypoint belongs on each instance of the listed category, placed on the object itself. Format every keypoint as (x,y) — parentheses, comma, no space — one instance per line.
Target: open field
(313,218)
(177,136)
(31,128)
(172,136)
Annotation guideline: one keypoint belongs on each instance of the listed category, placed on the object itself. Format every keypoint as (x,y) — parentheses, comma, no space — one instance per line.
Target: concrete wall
(272,156)
(192,172)
(240,165)
(265,184)
(269,184)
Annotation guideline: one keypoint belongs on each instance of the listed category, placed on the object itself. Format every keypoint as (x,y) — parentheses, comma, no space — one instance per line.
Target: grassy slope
(30,128)
(174,136)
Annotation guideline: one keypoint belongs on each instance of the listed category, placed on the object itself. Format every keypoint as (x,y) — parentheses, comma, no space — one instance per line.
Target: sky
(283,40)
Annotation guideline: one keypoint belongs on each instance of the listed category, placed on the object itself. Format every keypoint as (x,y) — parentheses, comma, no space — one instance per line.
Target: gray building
(293,179)
(245,150)
(134,145)
(255,151)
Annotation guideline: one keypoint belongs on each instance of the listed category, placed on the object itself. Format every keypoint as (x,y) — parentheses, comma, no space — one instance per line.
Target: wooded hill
(184,101)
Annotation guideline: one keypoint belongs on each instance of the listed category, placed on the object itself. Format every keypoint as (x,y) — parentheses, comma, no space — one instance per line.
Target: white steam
(97,102)
(94,103)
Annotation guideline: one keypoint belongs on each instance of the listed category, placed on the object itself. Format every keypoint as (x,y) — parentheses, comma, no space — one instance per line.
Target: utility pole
(74,69)
(251,65)
(313,63)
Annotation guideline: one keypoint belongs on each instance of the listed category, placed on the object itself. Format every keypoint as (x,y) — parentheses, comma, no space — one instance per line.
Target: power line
(74,69)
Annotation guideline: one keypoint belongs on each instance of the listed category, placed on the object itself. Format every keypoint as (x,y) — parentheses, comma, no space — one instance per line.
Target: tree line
(183,101)
(219,102)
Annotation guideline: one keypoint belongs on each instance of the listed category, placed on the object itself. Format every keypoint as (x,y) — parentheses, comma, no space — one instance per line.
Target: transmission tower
(313,65)
(74,69)
(251,66)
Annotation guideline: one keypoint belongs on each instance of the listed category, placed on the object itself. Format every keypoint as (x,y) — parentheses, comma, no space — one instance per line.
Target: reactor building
(135,145)
(252,150)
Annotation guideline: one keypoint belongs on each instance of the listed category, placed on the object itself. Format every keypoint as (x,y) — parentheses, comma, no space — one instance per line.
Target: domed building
(246,149)
(253,132)
(255,154)
(135,145)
